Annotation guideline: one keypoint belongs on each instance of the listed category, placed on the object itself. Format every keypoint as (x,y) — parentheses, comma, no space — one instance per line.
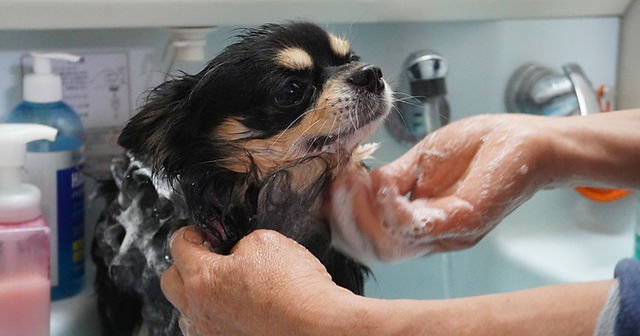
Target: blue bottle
(637,231)
(55,167)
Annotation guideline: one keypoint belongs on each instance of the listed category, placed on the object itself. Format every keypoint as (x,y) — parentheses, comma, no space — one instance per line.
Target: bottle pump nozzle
(18,201)
(43,86)
(13,147)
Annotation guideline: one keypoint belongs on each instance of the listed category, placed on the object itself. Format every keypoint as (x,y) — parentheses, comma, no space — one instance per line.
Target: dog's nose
(368,77)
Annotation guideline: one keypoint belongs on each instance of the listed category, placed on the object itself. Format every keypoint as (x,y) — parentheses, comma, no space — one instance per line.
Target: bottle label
(58,176)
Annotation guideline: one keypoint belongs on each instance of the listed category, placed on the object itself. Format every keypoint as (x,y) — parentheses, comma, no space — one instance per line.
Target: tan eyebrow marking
(339,45)
(294,58)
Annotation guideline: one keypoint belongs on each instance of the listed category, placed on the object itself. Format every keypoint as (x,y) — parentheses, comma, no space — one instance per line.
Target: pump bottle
(24,238)
(637,231)
(55,168)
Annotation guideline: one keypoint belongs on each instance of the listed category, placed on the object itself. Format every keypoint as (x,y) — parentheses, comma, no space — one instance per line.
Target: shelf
(73,14)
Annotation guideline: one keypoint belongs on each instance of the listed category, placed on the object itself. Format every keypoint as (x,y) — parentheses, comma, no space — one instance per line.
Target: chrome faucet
(420,98)
(536,89)
(587,99)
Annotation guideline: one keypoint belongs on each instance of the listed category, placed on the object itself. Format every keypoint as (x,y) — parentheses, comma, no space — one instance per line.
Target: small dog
(252,141)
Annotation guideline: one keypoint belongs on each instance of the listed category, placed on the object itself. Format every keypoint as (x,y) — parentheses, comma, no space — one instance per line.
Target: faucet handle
(587,100)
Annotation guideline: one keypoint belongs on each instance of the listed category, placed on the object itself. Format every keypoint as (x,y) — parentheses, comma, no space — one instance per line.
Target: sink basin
(555,237)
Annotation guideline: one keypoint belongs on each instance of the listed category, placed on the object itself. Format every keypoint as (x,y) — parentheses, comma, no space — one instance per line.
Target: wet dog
(252,141)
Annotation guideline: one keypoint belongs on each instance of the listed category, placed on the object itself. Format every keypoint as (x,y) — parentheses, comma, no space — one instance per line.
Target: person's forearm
(602,149)
(570,309)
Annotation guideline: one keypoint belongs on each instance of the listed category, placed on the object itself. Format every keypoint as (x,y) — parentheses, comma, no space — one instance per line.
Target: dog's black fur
(205,135)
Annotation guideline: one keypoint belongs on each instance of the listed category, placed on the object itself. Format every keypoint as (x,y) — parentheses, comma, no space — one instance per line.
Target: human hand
(268,285)
(462,179)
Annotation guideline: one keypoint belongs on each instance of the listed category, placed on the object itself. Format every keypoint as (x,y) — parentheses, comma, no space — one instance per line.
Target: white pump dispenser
(43,86)
(18,201)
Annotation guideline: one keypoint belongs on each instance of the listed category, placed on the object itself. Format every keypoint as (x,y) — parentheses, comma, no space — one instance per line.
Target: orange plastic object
(601,194)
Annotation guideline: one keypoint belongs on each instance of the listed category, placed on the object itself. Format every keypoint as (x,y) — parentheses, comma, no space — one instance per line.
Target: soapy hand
(461,181)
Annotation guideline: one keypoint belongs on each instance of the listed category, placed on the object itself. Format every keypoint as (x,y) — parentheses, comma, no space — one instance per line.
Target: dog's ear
(165,125)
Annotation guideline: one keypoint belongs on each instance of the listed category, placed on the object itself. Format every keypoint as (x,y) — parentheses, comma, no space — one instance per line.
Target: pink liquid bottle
(25,286)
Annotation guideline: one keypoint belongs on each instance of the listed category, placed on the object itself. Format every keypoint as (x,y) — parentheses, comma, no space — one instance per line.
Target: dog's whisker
(351,119)
(339,131)
(395,93)
(356,113)
(397,110)
(395,98)
(291,124)
(309,147)
(353,124)
(404,99)
(284,158)
(408,102)
(335,117)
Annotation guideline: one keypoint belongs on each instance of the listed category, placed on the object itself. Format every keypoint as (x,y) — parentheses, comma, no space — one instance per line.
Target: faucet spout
(423,106)
(587,100)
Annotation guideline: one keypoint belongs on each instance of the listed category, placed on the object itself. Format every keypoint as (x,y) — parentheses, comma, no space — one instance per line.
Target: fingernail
(172,239)
(184,324)
(192,236)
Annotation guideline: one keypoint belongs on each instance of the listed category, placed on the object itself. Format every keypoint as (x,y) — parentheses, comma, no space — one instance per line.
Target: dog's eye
(354,58)
(290,94)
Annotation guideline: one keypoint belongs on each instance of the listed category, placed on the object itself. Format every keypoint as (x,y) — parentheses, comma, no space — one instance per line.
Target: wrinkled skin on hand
(243,293)
(462,180)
